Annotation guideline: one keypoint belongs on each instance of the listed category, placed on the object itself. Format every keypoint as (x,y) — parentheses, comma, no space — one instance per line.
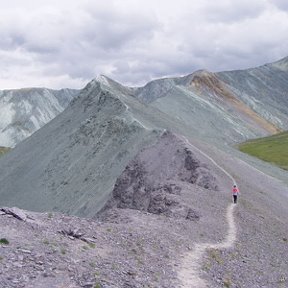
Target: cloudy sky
(66,43)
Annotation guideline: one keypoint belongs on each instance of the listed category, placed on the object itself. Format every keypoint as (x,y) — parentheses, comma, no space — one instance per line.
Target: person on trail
(235,192)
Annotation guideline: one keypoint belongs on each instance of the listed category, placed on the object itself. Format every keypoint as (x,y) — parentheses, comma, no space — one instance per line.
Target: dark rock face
(152,180)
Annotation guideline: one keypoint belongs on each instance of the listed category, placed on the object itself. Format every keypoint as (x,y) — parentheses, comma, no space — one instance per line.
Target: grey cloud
(82,45)
(281,4)
(233,11)
(135,45)
(11,40)
(151,68)
(114,30)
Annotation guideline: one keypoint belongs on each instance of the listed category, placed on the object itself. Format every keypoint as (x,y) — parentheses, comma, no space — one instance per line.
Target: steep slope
(172,210)
(77,156)
(263,89)
(162,193)
(213,106)
(26,110)
(125,247)
(153,180)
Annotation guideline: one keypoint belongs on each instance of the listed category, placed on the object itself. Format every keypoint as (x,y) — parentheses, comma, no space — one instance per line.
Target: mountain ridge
(274,116)
(149,171)
(78,155)
(26,110)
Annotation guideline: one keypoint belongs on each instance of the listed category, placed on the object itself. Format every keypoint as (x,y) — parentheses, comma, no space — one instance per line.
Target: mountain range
(156,163)
(77,157)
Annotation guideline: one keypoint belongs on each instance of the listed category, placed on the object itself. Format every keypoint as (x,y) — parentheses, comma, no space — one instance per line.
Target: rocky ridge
(125,245)
(163,196)
(152,180)
(160,207)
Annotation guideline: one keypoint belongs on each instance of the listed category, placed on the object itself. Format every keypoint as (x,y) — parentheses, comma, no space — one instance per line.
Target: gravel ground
(259,257)
(133,245)
(129,246)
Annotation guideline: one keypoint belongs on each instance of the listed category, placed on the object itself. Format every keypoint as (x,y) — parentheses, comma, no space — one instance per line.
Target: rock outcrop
(153,180)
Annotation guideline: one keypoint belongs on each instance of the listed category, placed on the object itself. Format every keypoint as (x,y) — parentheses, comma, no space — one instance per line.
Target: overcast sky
(66,43)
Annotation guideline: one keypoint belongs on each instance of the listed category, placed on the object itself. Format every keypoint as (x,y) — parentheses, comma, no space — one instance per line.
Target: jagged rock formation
(24,111)
(153,180)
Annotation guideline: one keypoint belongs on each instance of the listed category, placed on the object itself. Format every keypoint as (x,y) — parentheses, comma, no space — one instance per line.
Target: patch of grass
(50,215)
(85,248)
(227,282)
(4,241)
(46,242)
(215,255)
(206,266)
(272,149)
(92,245)
(139,261)
(282,279)
(63,251)
(4,150)
(97,285)
(92,264)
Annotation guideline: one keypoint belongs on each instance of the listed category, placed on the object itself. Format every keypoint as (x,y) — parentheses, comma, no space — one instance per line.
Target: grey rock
(28,110)
(164,194)
(15,212)
(141,184)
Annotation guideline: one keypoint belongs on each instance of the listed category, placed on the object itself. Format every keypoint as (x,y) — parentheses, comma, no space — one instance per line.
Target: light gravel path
(191,263)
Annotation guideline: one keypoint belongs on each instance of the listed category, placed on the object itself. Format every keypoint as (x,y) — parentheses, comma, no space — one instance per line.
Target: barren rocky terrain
(150,172)
(135,241)
(159,209)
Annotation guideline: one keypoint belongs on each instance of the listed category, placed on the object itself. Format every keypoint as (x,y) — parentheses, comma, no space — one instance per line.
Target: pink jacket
(235,191)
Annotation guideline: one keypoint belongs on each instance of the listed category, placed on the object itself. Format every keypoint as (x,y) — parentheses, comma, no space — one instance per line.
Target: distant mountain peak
(281,64)
(202,78)
(102,79)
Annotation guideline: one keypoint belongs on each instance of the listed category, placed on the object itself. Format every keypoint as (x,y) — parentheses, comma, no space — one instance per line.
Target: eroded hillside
(26,110)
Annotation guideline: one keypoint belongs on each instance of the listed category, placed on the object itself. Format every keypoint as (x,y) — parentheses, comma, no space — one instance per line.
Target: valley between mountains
(131,187)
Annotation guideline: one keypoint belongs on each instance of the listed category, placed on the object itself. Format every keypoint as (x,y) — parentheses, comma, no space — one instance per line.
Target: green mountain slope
(273,149)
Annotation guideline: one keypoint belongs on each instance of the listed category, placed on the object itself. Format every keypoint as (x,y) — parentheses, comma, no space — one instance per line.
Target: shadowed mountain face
(72,164)
(24,111)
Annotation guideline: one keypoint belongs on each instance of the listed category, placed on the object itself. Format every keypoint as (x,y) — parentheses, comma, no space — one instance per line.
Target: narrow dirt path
(191,263)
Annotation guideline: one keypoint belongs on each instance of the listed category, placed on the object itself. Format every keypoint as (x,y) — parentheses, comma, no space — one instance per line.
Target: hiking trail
(191,263)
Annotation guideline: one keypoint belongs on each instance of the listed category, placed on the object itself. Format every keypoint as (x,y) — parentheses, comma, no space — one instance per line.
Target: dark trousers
(235,198)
